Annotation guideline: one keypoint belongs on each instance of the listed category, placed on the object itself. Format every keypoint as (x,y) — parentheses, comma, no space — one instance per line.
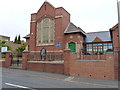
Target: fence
(90,57)
(16,59)
(99,55)
(47,57)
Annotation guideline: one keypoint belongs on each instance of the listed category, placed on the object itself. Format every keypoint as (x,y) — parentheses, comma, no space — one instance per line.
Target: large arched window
(45,32)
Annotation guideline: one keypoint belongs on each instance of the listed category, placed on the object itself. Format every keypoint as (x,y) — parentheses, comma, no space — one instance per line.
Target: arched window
(45,32)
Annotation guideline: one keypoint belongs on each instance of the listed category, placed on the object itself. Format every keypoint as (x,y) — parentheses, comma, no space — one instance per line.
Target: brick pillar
(24,59)
(8,59)
(117,64)
(111,65)
(67,61)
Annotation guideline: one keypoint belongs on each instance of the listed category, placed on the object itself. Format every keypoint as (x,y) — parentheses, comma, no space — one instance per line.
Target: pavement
(52,80)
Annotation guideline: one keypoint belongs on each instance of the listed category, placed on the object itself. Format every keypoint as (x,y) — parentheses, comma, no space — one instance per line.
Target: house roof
(27,36)
(73,29)
(114,27)
(103,35)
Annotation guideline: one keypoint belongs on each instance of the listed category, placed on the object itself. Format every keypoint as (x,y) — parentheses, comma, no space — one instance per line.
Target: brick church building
(94,54)
(52,29)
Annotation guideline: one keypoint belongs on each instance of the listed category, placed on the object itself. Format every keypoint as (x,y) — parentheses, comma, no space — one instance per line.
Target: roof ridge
(96,32)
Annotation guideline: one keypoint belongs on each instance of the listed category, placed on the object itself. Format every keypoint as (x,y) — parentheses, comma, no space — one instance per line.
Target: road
(14,78)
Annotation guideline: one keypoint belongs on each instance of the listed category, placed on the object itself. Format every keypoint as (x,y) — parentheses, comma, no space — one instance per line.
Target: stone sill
(52,62)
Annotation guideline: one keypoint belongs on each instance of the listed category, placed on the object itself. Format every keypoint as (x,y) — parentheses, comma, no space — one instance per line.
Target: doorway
(72,46)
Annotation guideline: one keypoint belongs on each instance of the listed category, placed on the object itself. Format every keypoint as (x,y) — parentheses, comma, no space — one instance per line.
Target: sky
(90,15)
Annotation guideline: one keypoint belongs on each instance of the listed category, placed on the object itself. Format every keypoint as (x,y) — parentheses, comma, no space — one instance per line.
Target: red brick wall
(116,46)
(8,59)
(46,67)
(104,69)
(2,63)
(50,11)
(93,57)
(32,36)
(115,38)
(76,38)
(94,69)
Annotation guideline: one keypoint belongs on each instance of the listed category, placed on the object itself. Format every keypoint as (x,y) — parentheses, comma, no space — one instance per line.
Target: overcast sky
(90,15)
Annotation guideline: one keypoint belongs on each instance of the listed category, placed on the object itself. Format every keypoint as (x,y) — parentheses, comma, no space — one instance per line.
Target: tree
(3,44)
(15,40)
(19,41)
(21,48)
(3,41)
(8,46)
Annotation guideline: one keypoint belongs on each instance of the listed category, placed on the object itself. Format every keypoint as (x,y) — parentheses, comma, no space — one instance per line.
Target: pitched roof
(73,29)
(104,36)
(114,27)
(27,36)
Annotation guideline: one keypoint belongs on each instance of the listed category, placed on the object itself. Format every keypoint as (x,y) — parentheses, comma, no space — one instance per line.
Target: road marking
(51,78)
(69,78)
(15,85)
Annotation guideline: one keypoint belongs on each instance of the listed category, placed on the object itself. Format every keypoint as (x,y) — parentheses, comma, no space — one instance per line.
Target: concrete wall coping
(52,62)
(2,60)
(90,60)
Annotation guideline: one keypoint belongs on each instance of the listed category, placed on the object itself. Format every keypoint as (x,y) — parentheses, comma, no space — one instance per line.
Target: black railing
(47,57)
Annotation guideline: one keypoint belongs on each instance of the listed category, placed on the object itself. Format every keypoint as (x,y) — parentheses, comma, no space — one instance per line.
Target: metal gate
(16,60)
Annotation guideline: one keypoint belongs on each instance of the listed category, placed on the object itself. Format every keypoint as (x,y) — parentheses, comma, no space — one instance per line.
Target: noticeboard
(3,49)
(58,45)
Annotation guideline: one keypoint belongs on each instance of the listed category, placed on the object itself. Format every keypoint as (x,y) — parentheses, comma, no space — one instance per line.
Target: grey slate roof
(73,29)
(104,36)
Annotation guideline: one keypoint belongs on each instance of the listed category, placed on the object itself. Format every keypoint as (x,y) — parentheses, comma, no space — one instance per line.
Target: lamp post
(118,7)
(0,48)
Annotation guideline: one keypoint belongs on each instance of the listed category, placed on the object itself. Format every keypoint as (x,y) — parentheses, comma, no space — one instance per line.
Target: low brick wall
(93,57)
(46,67)
(102,69)
(2,63)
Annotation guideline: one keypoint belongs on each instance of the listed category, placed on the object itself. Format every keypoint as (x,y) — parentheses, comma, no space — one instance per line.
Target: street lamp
(118,7)
(0,48)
